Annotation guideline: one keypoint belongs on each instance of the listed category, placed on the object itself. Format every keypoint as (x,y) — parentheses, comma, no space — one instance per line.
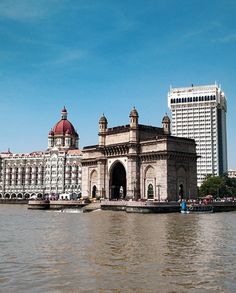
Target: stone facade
(54,171)
(140,162)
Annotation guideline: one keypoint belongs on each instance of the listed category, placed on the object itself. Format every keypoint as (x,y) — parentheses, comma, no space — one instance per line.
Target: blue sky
(106,56)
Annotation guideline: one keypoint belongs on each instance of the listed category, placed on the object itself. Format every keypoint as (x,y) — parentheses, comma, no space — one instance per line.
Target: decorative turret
(166,124)
(102,130)
(50,139)
(133,136)
(64,113)
(133,118)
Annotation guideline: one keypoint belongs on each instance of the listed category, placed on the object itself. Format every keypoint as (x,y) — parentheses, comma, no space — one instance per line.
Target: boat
(184,209)
(201,209)
(184,212)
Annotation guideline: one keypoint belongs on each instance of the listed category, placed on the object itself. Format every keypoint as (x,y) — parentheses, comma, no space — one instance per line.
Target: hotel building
(54,171)
(199,112)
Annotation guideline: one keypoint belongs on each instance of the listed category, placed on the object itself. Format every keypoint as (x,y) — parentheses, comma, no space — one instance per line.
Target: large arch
(118,182)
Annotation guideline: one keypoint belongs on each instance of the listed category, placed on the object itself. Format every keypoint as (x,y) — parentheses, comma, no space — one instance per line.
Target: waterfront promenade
(122,205)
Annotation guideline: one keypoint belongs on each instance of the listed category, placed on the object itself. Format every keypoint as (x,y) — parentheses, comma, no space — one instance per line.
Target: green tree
(218,186)
(212,185)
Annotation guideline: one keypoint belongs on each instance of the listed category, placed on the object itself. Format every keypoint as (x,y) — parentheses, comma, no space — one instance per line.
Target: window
(150,192)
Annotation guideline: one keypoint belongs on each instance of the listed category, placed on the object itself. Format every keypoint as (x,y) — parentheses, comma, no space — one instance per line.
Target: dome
(64,126)
(103,119)
(133,113)
(166,119)
(51,133)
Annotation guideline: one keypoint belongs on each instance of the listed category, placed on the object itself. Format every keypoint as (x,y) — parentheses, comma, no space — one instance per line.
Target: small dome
(133,113)
(51,133)
(166,119)
(103,119)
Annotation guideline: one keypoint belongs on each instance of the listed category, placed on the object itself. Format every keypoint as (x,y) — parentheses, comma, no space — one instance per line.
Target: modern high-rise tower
(199,112)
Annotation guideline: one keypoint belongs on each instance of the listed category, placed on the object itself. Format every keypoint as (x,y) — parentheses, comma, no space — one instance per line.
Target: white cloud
(66,57)
(69,56)
(26,10)
(226,39)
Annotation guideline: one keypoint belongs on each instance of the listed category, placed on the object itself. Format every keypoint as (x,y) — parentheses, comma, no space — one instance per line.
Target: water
(116,252)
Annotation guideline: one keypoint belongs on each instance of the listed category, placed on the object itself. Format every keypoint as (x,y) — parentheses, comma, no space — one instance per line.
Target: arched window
(150,192)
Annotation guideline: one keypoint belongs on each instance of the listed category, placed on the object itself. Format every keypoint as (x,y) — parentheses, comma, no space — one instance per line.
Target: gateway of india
(136,161)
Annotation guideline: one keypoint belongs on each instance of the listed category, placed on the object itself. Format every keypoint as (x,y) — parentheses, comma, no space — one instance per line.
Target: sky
(108,56)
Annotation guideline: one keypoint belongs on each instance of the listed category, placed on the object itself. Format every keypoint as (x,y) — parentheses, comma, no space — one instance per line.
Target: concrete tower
(199,112)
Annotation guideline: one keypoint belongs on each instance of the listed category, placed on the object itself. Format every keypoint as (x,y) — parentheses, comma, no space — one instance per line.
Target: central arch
(118,182)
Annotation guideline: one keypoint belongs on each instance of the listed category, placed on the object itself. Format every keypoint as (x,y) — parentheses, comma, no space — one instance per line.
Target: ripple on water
(116,252)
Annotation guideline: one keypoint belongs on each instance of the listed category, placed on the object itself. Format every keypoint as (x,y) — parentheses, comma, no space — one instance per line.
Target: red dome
(64,126)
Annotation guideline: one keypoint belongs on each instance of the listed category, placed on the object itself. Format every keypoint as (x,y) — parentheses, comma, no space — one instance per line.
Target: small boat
(184,209)
(184,212)
(201,209)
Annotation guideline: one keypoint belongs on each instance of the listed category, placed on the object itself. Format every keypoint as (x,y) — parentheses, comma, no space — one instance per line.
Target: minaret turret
(102,130)
(51,139)
(166,124)
(133,135)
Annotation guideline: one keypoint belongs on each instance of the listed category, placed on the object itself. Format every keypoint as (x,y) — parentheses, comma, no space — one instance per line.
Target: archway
(150,182)
(93,183)
(94,191)
(118,182)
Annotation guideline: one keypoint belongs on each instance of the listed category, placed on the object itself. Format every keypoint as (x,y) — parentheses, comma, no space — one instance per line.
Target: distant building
(139,161)
(54,171)
(232,173)
(199,112)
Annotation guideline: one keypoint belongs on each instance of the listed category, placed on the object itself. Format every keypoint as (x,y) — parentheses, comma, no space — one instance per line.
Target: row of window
(193,99)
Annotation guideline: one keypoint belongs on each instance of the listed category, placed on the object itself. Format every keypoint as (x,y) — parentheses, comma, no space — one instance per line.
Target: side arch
(93,183)
(150,182)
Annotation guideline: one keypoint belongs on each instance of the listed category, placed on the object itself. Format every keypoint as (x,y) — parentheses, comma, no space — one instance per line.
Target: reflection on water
(116,252)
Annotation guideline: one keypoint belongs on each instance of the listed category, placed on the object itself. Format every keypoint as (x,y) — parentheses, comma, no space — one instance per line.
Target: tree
(218,186)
